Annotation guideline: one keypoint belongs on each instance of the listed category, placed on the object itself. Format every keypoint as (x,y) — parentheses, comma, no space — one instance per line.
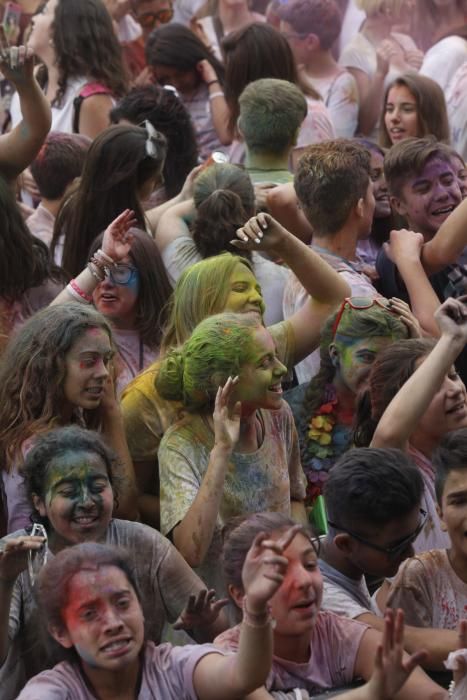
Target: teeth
(116,645)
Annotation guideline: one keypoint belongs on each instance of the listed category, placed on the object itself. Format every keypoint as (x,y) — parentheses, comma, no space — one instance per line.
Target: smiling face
(401,114)
(118,302)
(103,620)
(245,292)
(78,498)
(295,606)
(453,510)
(260,380)
(353,360)
(446,412)
(380,188)
(427,199)
(87,369)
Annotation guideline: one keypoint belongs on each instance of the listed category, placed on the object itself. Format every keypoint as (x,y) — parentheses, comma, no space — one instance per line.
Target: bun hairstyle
(218,348)
(224,199)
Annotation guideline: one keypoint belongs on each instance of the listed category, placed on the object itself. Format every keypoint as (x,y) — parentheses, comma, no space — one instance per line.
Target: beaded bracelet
(257,621)
(104,258)
(100,265)
(451,689)
(76,291)
(96,271)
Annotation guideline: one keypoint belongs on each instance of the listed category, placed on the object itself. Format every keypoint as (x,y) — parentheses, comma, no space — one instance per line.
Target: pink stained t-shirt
(333,652)
(167,674)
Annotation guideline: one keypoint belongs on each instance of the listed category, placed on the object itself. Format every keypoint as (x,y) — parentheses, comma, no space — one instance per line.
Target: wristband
(213,95)
(96,271)
(104,258)
(257,621)
(212,82)
(76,291)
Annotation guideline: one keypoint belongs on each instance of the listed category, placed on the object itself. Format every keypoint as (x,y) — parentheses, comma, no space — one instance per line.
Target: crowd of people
(233,330)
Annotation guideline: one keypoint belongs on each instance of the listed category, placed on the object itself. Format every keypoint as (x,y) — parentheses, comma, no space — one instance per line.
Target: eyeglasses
(392,552)
(359,304)
(148,20)
(122,274)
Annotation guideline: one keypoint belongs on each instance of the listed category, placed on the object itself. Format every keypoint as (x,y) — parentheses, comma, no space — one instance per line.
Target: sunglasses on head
(359,304)
(397,549)
(148,20)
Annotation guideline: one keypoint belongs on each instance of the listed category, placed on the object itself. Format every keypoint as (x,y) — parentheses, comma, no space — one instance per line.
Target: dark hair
(391,369)
(33,371)
(56,443)
(59,162)
(382,226)
(431,107)
(372,486)
(224,199)
(177,46)
(168,115)
(85,43)
(154,287)
(117,164)
(240,533)
(342,166)
(320,17)
(450,455)
(54,579)
(25,261)
(254,52)
(409,157)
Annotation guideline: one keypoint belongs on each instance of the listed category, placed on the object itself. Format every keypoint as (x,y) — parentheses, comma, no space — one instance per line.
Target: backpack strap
(87,91)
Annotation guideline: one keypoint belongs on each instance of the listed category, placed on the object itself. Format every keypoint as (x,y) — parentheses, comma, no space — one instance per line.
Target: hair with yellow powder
(217,349)
(201,291)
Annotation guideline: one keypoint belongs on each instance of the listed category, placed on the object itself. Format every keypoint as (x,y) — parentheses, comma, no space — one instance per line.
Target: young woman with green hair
(324,409)
(236,449)
(225,283)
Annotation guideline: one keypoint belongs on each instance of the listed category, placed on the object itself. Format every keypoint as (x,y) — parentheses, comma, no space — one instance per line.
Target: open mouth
(443,211)
(306,606)
(276,389)
(116,648)
(86,520)
(458,408)
(95,391)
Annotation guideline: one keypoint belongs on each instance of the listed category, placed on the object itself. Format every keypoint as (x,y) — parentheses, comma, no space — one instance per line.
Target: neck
(346,402)
(52,205)
(293,648)
(52,79)
(233,17)
(376,29)
(458,563)
(343,243)
(112,685)
(321,64)
(334,557)
(126,323)
(266,161)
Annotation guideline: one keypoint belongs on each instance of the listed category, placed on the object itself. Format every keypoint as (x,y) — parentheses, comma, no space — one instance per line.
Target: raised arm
(20,146)
(401,417)
(173,223)
(325,286)
(153,216)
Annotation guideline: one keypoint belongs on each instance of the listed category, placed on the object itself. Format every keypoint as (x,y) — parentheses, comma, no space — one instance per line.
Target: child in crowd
(225,283)
(432,587)
(271,113)
(242,458)
(72,483)
(89,598)
(57,165)
(338,222)
(313,650)
(375,514)
(413,398)
(57,370)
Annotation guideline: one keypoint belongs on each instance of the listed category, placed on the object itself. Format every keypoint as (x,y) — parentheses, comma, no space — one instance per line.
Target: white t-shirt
(443,59)
(346,596)
(456,103)
(340,95)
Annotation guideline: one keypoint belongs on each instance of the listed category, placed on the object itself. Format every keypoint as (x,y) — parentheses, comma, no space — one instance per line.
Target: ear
(312,42)
(344,543)
(60,634)
(237,595)
(440,515)
(360,208)
(39,505)
(398,205)
(239,127)
(334,355)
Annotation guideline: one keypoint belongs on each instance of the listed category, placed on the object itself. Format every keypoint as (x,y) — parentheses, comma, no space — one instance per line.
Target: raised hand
(406,316)
(117,239)
(14,555)
(451,318)
(201,610)
(265,568)
(261,232)
(16,63)
(404,244)
(226,416)
(391,668)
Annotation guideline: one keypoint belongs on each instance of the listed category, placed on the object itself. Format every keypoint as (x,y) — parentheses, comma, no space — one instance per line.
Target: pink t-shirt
(133,356)
(167,673)
(334,647)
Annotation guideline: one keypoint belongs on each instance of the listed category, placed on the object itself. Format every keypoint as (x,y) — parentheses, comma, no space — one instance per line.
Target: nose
(106,283)
(279,369)
(255,296)
(85,499)
(111,621)
(101,370)
(394,116)
(303,578)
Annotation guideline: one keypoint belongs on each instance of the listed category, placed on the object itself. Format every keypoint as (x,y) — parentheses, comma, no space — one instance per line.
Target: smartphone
(11,22)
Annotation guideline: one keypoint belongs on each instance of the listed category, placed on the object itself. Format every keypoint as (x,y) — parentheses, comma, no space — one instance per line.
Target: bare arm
(448,243)
(407,407)
(19,148)
(371,92)
(220,112)
(283,205)
(173,223)
(324,285)
(94,115)
(154,216)
(193,535)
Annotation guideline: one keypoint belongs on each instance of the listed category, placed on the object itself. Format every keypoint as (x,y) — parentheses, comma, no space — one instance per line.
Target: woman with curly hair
(82,63)
(56,371)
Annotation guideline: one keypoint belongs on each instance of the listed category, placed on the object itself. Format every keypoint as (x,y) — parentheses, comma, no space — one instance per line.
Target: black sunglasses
(394,551)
